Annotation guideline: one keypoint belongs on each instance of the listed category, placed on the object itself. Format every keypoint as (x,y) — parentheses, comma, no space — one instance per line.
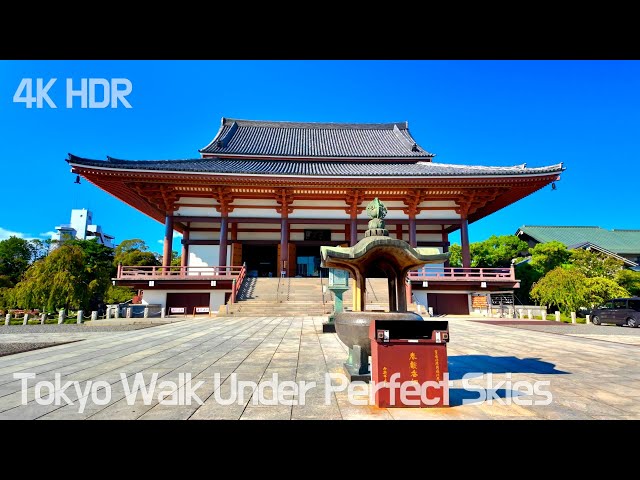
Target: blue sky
(583,113)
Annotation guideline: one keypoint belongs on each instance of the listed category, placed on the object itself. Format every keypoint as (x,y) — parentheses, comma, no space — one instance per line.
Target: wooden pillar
(399,231)
(401,293)
(222,258)
(234,231)
(393,303)
(354,230)
(413,237)
(168,240)
(284,242)
(445,248)
(184,257)
(464,241)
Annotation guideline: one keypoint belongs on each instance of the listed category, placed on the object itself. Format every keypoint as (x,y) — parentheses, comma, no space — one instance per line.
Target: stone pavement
(589,378)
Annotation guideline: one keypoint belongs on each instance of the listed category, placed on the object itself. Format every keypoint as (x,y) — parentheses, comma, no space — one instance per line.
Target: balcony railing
(235,274)
(460,274)
(178,273)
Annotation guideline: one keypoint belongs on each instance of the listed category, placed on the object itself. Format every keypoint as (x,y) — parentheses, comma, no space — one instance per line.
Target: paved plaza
(592,372)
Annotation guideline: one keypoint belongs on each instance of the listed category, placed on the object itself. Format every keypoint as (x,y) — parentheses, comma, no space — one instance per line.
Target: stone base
(353,375)
(328,327)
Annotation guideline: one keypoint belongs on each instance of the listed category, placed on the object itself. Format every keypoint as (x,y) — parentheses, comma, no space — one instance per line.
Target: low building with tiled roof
(621,244)
(267,194)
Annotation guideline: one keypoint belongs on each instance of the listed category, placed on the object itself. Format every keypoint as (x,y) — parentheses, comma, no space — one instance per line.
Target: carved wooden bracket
(224,197)
(412,200)
(285,198)
(353,199)
(163,197)
(471,202)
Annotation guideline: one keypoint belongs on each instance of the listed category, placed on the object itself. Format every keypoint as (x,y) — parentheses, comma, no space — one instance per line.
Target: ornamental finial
(376,211)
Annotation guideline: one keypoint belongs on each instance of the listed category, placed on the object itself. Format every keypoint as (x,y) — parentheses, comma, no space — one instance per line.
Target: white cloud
(161,242)
(4,234)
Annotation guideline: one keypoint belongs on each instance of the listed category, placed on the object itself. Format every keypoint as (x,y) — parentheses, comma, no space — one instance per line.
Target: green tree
(496,251)
(562,288)
(527,276)
(601,289)
(55,281)
(630,281)
(15,257)
(118,294)
(41,248)
(455,259)
(134,252)
(595,264)
(547,256)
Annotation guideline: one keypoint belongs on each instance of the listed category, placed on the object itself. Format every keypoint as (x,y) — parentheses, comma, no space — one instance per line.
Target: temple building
(264,196)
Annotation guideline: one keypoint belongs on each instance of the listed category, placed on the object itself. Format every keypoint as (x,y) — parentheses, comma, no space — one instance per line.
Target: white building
(82,228)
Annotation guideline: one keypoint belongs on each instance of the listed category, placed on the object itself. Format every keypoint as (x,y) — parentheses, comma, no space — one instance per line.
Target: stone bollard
(162,312)
(521,313)
(587,319)
(43,318)
(25,319)
(94,316)
(146,312)
(128,312)
(7,319)
(61,317)
(544,315)
(557,316)
(80,313)
(573,317)
(529,314)
(117,312)
(108,313)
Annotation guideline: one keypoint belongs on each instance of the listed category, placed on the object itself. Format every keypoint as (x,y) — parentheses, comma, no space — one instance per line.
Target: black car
(621,311)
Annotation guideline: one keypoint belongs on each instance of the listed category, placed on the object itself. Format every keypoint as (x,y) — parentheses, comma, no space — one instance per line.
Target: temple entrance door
(261,260)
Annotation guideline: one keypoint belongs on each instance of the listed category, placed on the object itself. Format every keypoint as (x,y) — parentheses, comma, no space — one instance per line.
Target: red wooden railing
(237,283)
(186,273)
(456,274)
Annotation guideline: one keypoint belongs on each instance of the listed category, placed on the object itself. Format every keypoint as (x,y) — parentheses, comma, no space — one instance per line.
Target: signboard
(323,235)
(479,301)
(201,310)
(177,310)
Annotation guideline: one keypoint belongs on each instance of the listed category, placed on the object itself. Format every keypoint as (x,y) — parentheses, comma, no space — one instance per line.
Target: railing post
(119,270)
(513,271)
(233,291)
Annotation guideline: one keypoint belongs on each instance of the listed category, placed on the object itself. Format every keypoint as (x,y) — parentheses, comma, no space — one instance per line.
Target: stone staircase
(289,297)
(299,297)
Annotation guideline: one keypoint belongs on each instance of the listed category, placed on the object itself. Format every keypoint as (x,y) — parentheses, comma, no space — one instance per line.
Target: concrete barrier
(25,319)
(79,319)
(61,317)
(557,316)
(573,317)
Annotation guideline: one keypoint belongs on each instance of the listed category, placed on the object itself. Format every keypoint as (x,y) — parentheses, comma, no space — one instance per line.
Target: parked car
(621,311)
